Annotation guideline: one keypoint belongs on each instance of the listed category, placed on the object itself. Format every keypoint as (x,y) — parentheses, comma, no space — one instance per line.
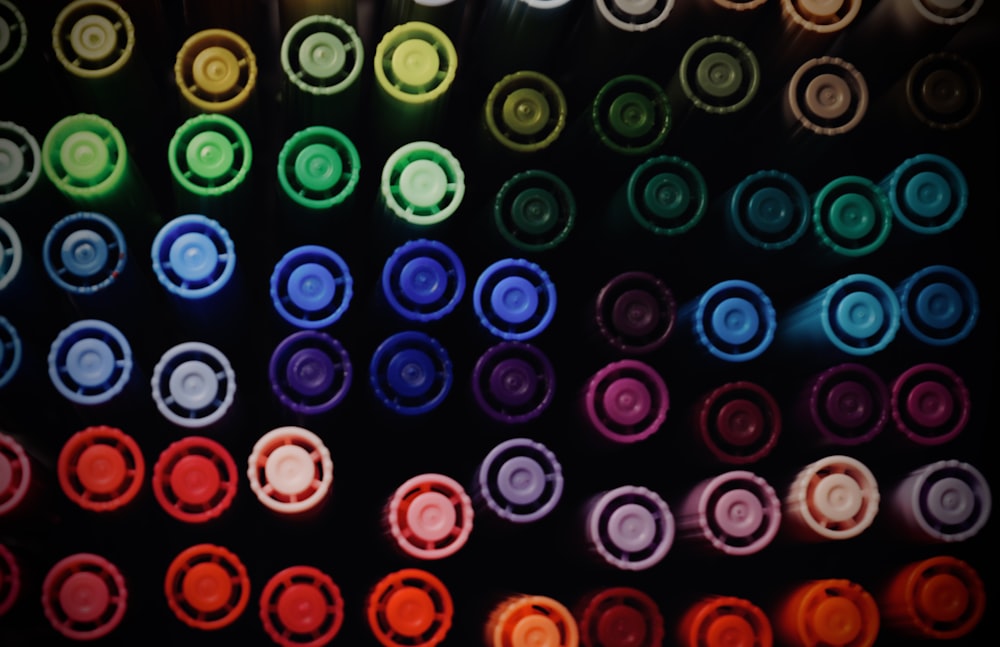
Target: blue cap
(84,252)
(11,254)
(193,256)
(860,314)
(769,209)
(940,305)
(734,321)
(193,385)
(928,193)
(10,352)
(411,373)
(311,287)
(423,280)
(90,362)
(514,299)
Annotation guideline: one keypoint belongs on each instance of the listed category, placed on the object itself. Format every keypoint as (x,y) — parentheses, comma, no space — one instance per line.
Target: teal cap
(667,195)
(534,210)
(852,216)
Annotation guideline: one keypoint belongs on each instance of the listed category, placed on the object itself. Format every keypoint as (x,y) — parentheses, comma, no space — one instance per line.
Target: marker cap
(929,403)
(734,321)
(290,470)
(310,372)
(530,620)
(859,314)
(311,287)
(101,468)
(416,63)
(848,404)
(84,252)
(13,35)
(20,155)
(630,527)
(84,156)
(514,299)
(631,113)
(430,516)
(852,216)
(724,621)
(739,422)
(193,257)
(626,401)
(525,112)
(84,597)
(411,373)
(301,605)
(318,167)
(944,91)
(409,608)
(216,71)
(939,305)
(769,209)
(828,612)
(422,183)
(667,195)
(635,312)
(820,16)
(210,155)
(513,382)
(10,352)
(322,55)
(194,479)
(207,587)
(11,254)
(833,498)
(423,280)
(520,480)
(950,13)
(90,362)
(737,512)
(928,193)
(634,15)
(719,74)
(827,95)
(15,474)
(534,210)
(93,38)
(940,598)
(10,580)
(194,385)
(944,501)
(620,616)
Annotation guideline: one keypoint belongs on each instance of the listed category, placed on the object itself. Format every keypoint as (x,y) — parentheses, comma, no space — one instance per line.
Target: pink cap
(301,607)
(84,597)
(15,474)
(290,470)
(430,516)
(626,401)
(737,512)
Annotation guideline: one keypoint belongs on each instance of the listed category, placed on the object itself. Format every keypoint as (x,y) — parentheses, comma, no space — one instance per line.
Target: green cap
(209,155)
(84,156)
(93,38)
(318,167)
(13,35)
(631,114)
(322,55)
(525,111)
(415,63)
(852,216)
(422,183)
(667,195)
(719,74)
(534,210)
(20,161)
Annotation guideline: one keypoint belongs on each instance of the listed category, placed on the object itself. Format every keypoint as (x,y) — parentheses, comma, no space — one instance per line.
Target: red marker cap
(195,479)
(620,617)
(301,607)
(10,580)
(725,621)
(84,597)
(531,621)
(410,608)
(941,598)
(101,468)
(15,474)
(829,613)
(207,587)
(430,516)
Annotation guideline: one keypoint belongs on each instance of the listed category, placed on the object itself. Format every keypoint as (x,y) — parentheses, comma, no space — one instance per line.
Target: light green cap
(422,183)
(84,156)
(322,55)
(525,111)
(210,155)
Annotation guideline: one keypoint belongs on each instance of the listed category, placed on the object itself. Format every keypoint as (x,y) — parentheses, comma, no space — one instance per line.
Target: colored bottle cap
(734,321)
(13,35)
(193,256)
(833,498)
(311,287)
(318,167)
(620,616)
(534,210)
(944,501)
(739,422)
(430,516)
(737,512)
(84,252)
(520,480)
(15,474)
(631,113)
(84,597)
(290,470)
(11,254)
(769,210)
(848,404)
(667,195)
(310,372)
(725,621)
(423,280)
(630,527)
(634,15)
(719,74)
(514,299)
(944,91)
(626,401)
(860,314)
(939,305)
(422,183)
(301,605)
(940,598)
(513,382)
(820,16)
(101,468)
(90,362)
(194,385)
(830,612)
(10,579)
(928,193)
(93,38)
(416,63)
(411,373)
(322,55)
(210,155)
(852,216)
(409,608)
(216,71)
(10,352)
(20,156)
(532,620)
(950,13)
(194,479)
(207,587)
(84,156)
(635,312)
(828,96)
(930,403)
(525,112)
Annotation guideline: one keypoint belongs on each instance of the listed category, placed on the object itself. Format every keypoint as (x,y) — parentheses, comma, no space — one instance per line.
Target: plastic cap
(20,156)
(310,372)
(410,608)
(90,362)
(830,612)
(194,385)
(101,468)
(322,55)
(513,382)
(525,111)
(13,35)
(928,193)
(860,314)
(10,579)
(820,16)
(735,321)
(210,155)
(529,621)
(84,597)
(416,63)
(739,422)
(848,404)
(769,209)
(725,621)
(319,167)
(422,183)
(301,605)
(534,210)
(852,216)
(520,480)
(84,156)
(620,616)
(947,501)
(630,528)
(311,287)
(411,373)
(93,38)
(635,312)
(719,74)
(514,299)
(430,516)
(739,512)
(950,13)
(216,71)
(195,479)
(193,257)
(15,474)
(930,403)
(207,587)
(290,470)
(940,598)
(833,498)
(944,91)
(423,280)
(827,95)
(11,254)
(84,252)
(667,195)
(626,401)
(10,352)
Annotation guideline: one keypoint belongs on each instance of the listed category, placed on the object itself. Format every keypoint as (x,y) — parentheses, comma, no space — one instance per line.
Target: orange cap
(829,613)
(410,607)
(725,621)
(531,621)
(207,587)
(941,597)
(101,468)
(301,606)
(620,616)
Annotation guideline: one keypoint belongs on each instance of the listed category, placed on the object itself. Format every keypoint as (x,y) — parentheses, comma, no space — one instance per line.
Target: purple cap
(630,527)
(848,404)
(945,501)
(737,512)
(930,404)
(310,372)
(739,422)
(635,312)
(520,480)
(513,382)
(626,401)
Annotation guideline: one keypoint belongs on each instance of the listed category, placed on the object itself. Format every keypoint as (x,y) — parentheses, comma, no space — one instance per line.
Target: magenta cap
(848,404)
(930,404)
(626,401)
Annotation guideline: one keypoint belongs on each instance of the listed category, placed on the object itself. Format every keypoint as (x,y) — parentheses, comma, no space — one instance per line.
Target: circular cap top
(770,210)
(84,155)
(11,159)
(311,287)
(735,321)
(740,422)
(852,216)
(940,305)
(431,516)
(632,114)
(514,299)
(514,381)
(837,621)
(536,631)
(216,70)
(730,630)
(526,111)
(930,403)
(11,23)
(944,92)
(90,362)
(310,371)
(193,256)
(838,497)
(101,469)
(622,626)
(860,315)
(951,501)
(627,401)
(410,611)
(739,513)
(828,96)
(415,64)
(84,252)
(411,372)
(943,598)
(207,587)
(93,38)
(322,55)
(719,74)
(84,597)
(927,194)
(632,527)
(318,167)
(535,211)
(636,312)
(667,195)
(210,155)
(849,404)
(193,385)
(290,469)
(302,608)
(15,473)
(521,480)
(195,479)
(423,183)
